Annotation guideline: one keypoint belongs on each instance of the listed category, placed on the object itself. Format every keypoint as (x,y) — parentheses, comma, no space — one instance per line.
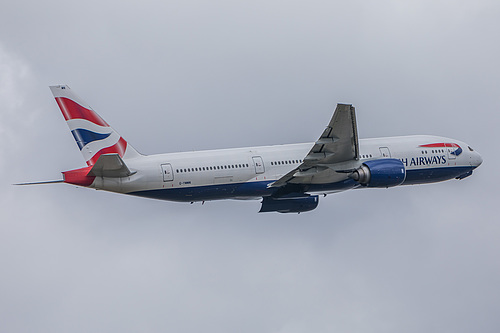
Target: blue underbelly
(260,189)
(432,175)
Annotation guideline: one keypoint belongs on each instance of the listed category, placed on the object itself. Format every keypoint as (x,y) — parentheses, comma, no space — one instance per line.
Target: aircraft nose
(479,160)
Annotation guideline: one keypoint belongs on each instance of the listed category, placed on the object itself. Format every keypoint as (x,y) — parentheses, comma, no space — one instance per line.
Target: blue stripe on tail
(84,137)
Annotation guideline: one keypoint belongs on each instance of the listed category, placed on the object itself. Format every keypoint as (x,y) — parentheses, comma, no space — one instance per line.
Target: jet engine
(387,172)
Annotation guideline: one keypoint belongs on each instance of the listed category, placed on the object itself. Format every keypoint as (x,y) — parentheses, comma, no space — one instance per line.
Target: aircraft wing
(337,144)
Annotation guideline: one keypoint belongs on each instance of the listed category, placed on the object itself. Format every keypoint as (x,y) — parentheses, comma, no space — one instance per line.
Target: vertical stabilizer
(92,134)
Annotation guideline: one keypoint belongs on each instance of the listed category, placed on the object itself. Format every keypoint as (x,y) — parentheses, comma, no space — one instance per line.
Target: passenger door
(449,150)
(168,174)
(384,152)
(259,164)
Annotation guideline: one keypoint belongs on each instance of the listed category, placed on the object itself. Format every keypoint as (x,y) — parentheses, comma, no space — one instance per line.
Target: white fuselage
(245,173)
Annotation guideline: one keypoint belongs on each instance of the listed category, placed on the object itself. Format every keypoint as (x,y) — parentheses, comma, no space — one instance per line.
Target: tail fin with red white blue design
(92,134)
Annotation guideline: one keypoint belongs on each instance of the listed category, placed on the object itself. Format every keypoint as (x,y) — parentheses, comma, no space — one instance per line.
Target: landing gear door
(168,174)
(259,165)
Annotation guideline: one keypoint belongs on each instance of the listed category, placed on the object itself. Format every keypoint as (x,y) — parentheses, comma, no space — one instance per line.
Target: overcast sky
(192,75)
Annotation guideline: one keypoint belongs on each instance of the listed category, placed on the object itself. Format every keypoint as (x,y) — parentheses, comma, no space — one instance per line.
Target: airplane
(286,178)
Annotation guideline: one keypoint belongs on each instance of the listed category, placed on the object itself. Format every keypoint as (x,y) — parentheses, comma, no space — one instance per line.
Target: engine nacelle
(289,205)
(386,172)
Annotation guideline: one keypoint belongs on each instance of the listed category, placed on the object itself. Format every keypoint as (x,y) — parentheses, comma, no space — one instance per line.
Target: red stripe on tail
(72,110)
(118,148)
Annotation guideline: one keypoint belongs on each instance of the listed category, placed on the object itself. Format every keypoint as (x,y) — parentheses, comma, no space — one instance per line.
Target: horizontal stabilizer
(110,165)
(45,182)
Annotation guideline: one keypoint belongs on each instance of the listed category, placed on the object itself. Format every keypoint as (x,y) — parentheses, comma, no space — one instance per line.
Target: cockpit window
(470,148)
